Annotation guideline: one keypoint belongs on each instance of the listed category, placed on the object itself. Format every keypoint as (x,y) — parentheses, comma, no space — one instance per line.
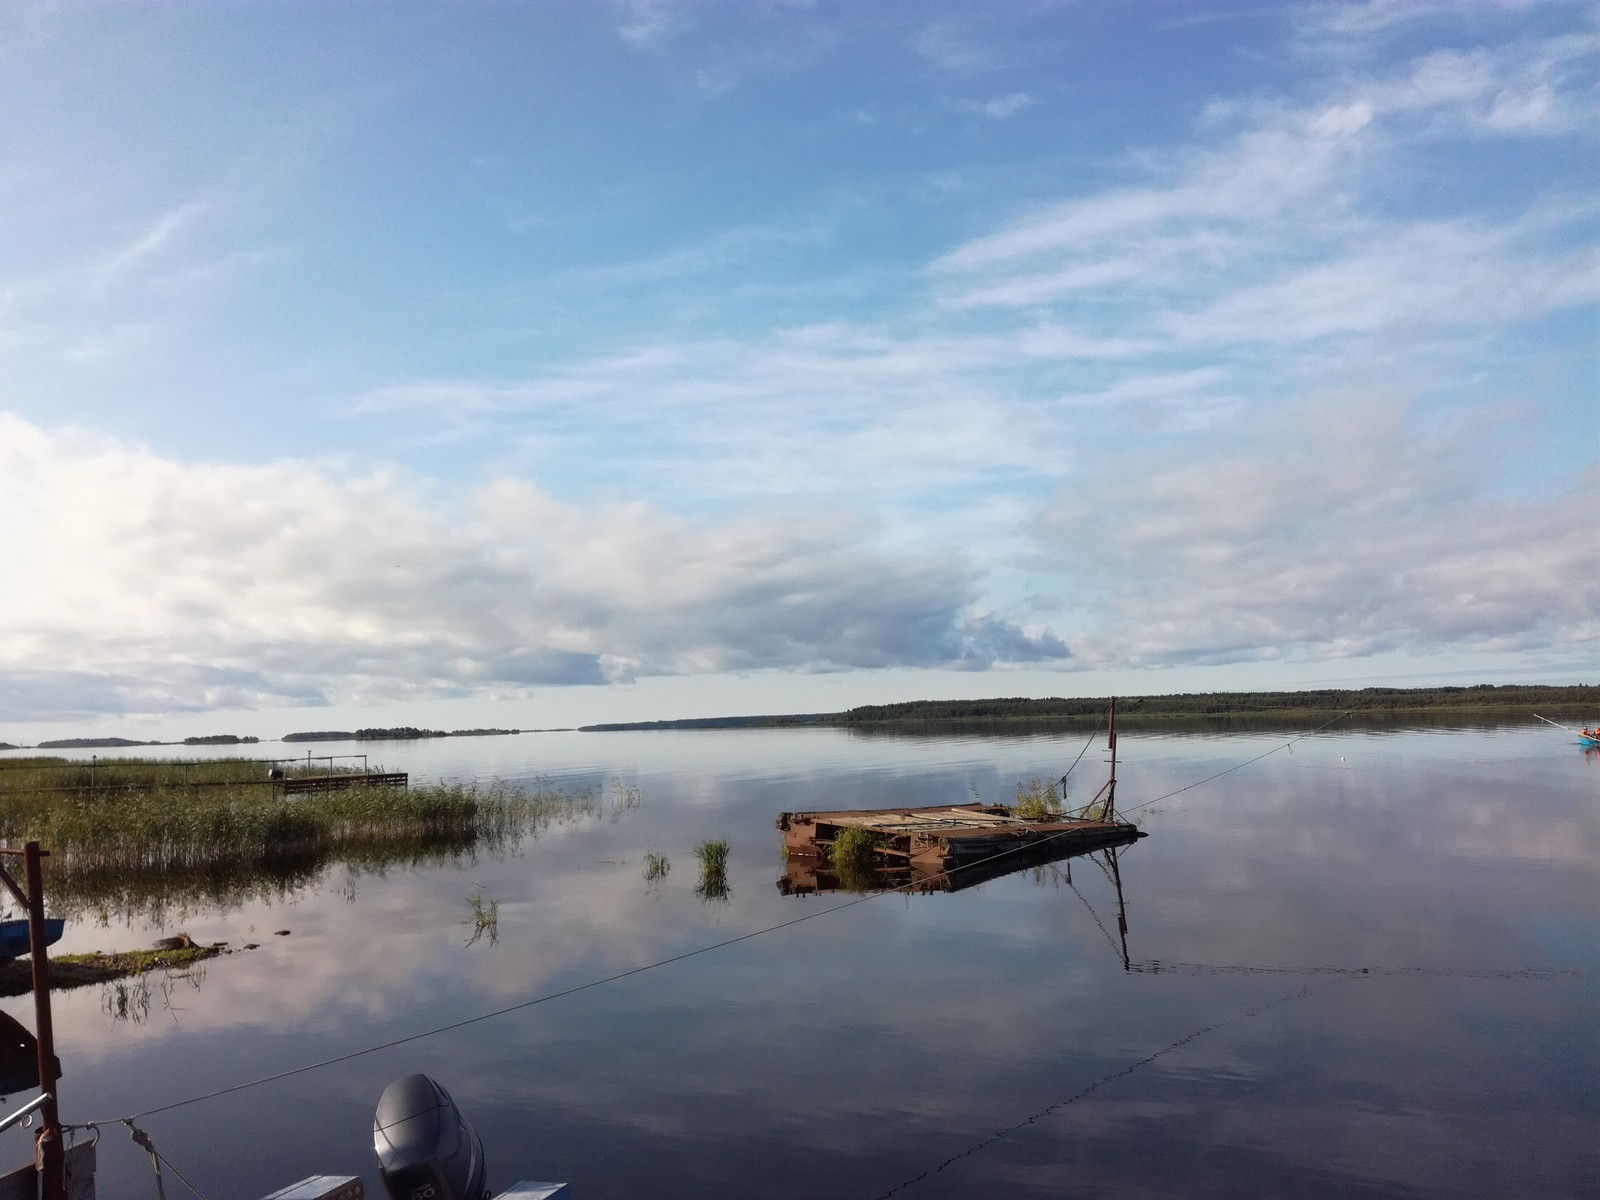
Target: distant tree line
(1480,697)
(397,733)
(92,743)
(220,739)
(717,723)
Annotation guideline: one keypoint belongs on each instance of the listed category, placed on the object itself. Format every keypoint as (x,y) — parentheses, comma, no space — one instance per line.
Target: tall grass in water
(656,866)
(141,851)
(713,856)
(52,773)
(485,918)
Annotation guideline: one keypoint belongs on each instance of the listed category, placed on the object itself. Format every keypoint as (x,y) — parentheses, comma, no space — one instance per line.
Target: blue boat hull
(14,936)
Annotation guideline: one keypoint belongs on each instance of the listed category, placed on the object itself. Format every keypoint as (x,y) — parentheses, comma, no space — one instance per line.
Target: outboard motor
(426,1150)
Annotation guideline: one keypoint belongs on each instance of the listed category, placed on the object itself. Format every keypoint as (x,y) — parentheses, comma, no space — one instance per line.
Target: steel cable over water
(571,991)
(1000,1135)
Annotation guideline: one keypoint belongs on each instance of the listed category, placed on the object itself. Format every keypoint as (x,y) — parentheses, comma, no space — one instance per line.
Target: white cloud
(1308,166)
(830,412)
(999,108)
(949,46)
(1344,533)
(158,236)
(648,23)
(1453,273)
(1379,16)
(136,581)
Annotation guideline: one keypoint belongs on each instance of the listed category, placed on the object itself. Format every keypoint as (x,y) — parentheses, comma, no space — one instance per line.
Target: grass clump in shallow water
(713,856)
(656,866)
(485,918)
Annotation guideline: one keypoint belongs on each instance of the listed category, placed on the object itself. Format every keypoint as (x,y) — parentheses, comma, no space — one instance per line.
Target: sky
(548,363)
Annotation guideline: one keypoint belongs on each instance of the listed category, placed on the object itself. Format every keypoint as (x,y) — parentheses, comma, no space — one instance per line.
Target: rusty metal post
(1111,787)
(49,1152)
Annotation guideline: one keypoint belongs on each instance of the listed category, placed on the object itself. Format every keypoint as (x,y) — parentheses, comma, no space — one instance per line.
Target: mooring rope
(1094,734)
(1237,766)
(142,1139)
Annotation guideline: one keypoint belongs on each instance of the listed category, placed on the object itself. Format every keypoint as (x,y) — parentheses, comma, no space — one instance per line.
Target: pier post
(51,1159)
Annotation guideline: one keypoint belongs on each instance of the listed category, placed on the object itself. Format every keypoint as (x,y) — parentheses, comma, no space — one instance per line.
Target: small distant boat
(14,936)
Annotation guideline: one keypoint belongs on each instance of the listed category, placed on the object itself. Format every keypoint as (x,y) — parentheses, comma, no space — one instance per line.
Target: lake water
(1364,966)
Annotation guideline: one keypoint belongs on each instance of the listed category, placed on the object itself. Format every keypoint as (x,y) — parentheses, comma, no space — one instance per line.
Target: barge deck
(946,835)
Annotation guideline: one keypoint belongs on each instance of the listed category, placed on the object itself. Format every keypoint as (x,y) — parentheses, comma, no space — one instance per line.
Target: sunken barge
(934,840)
(946,836)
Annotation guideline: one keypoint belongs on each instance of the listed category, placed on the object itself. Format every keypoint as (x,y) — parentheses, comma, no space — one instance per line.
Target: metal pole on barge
(1111,741)
(50,1153)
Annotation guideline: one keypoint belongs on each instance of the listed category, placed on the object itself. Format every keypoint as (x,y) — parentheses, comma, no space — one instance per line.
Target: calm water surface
(1366,967)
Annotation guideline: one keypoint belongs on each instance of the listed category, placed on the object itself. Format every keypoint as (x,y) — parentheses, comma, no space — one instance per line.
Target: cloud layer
(791,337)
(1346,532)
(137,583)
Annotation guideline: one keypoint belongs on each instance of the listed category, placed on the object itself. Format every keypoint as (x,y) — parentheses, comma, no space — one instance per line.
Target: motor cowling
(426,1150)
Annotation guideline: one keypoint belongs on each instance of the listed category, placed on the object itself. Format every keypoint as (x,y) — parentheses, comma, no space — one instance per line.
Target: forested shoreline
(1483,697)
(1579,700)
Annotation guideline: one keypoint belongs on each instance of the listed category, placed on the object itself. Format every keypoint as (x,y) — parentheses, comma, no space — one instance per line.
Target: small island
(398,733)
(100,743)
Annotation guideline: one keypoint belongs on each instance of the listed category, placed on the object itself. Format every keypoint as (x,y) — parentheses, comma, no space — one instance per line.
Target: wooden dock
(297,785)
(946,835)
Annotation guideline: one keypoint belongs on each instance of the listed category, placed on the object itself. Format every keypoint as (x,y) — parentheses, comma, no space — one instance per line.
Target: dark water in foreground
(1368,967)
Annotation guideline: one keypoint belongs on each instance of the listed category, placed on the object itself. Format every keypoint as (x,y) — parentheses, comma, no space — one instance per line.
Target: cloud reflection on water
(889,1037)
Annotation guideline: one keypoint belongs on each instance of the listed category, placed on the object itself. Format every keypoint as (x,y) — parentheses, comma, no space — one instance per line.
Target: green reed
(656,866)
(1036,801)
(854,855)
(713,856)
(175,846)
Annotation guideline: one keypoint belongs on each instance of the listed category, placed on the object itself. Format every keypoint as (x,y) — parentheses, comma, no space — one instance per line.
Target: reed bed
(141,851)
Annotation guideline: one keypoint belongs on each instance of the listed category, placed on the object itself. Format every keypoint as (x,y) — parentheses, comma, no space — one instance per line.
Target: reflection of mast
(1122,909)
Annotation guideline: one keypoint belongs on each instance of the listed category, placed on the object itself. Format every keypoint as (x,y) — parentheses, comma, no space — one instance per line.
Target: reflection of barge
(810,875)
(948,835)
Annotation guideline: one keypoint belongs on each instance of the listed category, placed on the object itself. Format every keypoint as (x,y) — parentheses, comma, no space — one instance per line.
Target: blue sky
(542,363)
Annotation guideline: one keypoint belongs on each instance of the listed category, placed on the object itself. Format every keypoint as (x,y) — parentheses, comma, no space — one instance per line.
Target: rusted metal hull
(811,876)
(943,836)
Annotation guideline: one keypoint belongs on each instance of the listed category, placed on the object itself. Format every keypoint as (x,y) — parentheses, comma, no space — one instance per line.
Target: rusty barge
(941,838)
(946,836)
